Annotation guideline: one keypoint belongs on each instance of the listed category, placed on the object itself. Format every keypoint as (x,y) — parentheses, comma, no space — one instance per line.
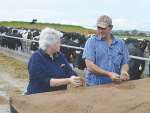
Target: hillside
(40,26)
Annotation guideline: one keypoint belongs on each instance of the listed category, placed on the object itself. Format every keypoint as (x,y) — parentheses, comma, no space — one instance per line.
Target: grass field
(134,37)
(40,26)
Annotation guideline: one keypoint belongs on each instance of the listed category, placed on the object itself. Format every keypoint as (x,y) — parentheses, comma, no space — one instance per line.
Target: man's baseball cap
(103,21)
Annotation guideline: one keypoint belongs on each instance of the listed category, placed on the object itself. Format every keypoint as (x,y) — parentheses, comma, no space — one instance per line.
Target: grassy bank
(40,26)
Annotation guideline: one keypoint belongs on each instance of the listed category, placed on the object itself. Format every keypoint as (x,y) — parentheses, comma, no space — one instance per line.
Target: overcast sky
(125,14)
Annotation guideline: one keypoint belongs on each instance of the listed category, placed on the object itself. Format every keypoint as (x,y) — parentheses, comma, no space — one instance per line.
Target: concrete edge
(14,54)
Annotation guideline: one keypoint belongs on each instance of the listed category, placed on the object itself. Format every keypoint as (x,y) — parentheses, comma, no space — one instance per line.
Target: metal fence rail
(131,56)
(19,38)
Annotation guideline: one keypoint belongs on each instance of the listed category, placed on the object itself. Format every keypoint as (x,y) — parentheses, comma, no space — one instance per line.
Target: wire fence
(131,56)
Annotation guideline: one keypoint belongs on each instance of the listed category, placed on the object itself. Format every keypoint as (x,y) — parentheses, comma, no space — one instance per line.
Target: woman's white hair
(48,36)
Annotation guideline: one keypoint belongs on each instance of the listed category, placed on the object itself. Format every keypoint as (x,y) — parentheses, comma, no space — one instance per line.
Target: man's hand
(114,77)
(124,76)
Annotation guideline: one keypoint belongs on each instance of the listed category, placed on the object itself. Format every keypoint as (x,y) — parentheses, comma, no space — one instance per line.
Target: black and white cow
(26,35)
(140,44)
(78,62)
(76,37)
(11,43)
(3,29)
(68,35)
(35,33)
(18,42)
(144,44)
(68,51)
(35,45)
(77,55)
(136,67)
(81,38)
(4,40)
(12,30)
(90,35)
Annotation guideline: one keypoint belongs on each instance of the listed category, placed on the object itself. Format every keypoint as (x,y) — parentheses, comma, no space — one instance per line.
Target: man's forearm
(97,70)
(124,68)
(101,72)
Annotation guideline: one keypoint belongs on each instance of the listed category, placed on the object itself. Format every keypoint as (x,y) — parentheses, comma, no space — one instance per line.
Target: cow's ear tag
(140,67)
(71,56)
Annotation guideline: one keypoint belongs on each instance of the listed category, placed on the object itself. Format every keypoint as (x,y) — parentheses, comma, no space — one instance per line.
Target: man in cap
(105,55)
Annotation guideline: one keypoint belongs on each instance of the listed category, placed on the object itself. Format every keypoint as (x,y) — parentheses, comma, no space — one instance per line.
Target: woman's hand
(76,81)
(124,76)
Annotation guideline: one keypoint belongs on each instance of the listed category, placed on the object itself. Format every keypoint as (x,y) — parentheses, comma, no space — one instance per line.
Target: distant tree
(120,32)
(114,33)
(134,32)
(142,34)
(126,32)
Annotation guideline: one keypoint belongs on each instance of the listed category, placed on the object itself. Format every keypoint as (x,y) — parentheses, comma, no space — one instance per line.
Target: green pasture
(134,37)
(40,26)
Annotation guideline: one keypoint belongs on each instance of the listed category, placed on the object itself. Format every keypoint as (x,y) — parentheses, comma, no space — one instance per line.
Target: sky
(125,14)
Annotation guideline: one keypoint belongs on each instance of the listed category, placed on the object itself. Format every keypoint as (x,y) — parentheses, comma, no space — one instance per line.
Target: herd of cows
(135,47)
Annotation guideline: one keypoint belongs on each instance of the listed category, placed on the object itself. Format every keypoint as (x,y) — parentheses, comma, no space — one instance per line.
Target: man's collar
(114,39)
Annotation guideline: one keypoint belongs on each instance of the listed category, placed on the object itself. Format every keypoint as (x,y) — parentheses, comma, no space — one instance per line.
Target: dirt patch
(8,87)
(92,32)
(12,91)
(124,85)
(13,67)
(3,100)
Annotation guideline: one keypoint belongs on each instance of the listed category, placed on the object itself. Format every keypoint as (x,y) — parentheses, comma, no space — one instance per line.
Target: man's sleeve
(126,57)
(89,50)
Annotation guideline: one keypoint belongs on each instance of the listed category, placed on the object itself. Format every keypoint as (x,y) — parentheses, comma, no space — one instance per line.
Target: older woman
(48,68)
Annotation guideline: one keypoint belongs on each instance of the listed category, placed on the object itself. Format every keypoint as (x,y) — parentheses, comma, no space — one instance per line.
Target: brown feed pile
(121,97)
